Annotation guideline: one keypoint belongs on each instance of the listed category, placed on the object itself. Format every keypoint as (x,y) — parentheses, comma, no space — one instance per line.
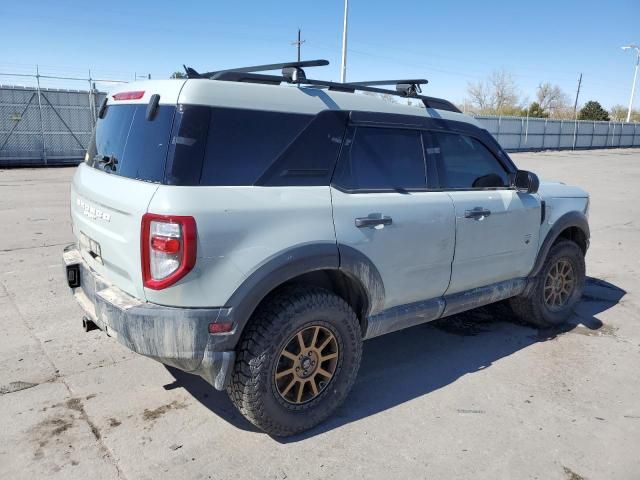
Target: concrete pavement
(477,396)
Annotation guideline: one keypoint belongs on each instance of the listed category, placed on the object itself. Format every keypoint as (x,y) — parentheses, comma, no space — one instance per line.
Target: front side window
(464,162)
(382,159)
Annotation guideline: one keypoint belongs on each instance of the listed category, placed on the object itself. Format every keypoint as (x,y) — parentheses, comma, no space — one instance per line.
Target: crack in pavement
(5,250)
(72,402)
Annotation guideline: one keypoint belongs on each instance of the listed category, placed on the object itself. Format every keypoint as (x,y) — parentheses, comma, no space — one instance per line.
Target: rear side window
(311,158)
(464,162)
(242,144)
(382,159)
(125,143)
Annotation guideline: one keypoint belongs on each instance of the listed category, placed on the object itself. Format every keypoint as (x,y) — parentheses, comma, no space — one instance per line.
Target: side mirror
(526,182)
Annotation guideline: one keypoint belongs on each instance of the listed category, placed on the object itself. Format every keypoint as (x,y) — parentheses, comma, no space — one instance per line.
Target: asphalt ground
(477,396)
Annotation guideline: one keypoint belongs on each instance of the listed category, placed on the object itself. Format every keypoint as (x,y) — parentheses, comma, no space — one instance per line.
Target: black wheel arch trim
(291,263)
(568,220)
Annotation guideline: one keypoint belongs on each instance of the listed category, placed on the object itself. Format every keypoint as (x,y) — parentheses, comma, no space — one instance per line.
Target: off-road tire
(531,307)
(253,388)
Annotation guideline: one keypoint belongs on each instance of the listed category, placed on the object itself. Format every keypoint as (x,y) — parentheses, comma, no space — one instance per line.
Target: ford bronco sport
(253,229)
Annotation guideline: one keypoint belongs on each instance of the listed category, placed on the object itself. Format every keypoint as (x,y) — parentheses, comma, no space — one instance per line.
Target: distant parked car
(255,233)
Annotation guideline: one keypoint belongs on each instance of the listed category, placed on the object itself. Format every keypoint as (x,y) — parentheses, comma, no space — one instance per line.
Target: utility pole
(44,144)
(575,105)
(298,44)
(343,72)
(635,76)
(575,114)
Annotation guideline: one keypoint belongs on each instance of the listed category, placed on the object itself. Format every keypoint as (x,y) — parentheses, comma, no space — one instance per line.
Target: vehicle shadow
(401,366)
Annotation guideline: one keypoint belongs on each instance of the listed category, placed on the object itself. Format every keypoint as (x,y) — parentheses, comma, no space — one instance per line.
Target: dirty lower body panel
(178,337)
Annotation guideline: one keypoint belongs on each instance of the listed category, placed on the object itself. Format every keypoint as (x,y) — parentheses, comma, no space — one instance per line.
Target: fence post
(633,140)
(520,136)
(544,133)
(560,134)
(613,132)
(621,134)
(498,132)
(92,101)
(44,147)
(575,133)
(593,133)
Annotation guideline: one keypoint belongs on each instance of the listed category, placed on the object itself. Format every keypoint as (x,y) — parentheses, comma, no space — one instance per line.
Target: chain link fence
(42,126)
(45,126)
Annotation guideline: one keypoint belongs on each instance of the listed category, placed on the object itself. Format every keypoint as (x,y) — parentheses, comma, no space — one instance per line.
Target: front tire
(297,360)
(556,290)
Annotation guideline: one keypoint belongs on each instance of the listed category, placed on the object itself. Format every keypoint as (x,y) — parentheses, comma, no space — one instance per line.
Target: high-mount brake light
(168,249)
(135,95)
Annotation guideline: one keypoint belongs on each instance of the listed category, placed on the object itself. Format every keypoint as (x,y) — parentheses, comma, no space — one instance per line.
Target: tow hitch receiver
(73,275)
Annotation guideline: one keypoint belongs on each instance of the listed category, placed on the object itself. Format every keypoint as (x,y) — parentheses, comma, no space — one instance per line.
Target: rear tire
(285,389)
(550,301)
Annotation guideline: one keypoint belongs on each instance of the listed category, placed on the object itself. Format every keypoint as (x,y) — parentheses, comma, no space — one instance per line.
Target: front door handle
(373,220)
(477,213)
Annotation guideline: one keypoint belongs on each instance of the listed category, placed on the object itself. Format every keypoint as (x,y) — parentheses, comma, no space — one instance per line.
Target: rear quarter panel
(239,228)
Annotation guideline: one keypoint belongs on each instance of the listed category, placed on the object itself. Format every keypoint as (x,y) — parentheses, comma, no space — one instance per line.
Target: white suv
(254,229)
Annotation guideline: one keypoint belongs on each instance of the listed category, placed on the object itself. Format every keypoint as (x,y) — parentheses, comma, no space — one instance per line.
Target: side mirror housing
(526,182)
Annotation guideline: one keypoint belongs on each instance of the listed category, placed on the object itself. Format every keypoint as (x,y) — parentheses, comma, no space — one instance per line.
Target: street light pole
(343,71)
(635,76)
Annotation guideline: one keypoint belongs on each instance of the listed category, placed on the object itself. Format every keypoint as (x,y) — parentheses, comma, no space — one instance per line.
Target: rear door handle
(477,213)
(373,220)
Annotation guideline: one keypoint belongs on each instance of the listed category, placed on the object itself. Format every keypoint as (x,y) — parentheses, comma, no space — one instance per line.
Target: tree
(504,91)
(618,113)
(496,95)
(479,96)
(551,97)
(178,74)
(535,110)
(592,110)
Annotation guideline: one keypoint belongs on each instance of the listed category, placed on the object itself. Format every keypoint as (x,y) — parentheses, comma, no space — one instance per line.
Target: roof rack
(408,88)
(292,72)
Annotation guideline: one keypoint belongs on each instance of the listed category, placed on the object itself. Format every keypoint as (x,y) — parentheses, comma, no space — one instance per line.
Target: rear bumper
(178,337)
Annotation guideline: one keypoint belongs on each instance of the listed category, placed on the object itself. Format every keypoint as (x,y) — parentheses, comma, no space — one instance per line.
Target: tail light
(168,247)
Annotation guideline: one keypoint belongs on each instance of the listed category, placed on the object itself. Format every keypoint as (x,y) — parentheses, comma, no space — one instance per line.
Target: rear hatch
(123,167)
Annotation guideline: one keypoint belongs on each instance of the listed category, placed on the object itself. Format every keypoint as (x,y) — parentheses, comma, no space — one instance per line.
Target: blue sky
(450,43)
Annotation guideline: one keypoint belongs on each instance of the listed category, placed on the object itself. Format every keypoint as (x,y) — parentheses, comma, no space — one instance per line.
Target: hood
(550,189)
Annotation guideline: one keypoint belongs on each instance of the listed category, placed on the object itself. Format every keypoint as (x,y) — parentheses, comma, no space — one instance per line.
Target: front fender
(568,220)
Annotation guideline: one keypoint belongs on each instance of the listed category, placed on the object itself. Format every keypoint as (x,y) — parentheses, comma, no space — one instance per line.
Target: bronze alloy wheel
(306,364)
(559,285)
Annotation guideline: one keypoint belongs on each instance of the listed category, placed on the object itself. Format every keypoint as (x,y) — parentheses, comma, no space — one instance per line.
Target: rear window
(125,143)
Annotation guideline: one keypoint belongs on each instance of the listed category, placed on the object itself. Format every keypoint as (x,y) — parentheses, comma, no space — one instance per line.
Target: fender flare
(357,265)
(568,220)
(292,263)
(275,271)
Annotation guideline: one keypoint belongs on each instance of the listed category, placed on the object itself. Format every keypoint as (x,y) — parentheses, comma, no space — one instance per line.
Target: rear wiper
(109,161)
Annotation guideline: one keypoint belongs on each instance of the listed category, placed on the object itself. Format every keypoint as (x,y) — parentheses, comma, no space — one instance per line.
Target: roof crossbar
(292,72)
(258,68)
(408,88)
(374,83)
